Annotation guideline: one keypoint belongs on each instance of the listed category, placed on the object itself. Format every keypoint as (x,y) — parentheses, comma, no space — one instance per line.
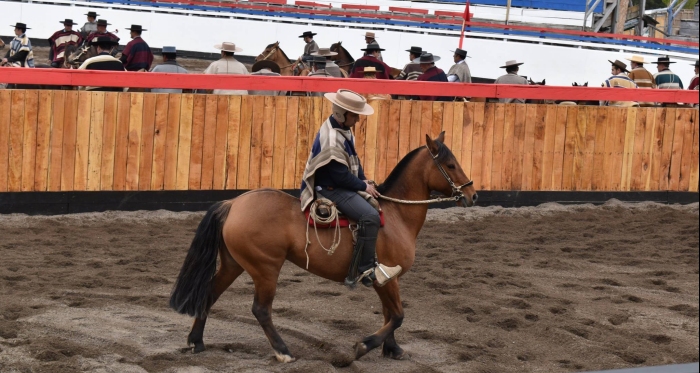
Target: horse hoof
(360,350)
(397,355)
(284,358)
(198,347)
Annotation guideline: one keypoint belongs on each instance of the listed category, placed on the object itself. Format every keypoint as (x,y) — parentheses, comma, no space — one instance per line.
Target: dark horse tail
(192,293)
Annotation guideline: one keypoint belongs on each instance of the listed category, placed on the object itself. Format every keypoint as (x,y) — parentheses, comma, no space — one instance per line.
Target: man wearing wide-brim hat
(228,65)
(665,78)
(431,73)
(639,74)
(371,59)
(331,68)
(62,39)
(459,72)
(104,61)
(412,70)
(170,66)
(371,37)
(318,70)
(266,68)
(618,80)
(101,31)
(90,26)
(512,68)
(137,55)
(310,47)
(695,83)
(334,171)
(20,53)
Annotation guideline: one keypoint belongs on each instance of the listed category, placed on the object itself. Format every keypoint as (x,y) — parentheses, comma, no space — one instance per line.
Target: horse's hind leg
(228,271)
(391,302)
(392,349)
(265,287)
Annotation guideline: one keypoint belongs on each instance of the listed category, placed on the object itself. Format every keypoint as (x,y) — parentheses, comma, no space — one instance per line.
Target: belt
(319,188)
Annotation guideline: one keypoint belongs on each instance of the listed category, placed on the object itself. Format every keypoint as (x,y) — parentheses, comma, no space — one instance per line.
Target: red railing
(412,88)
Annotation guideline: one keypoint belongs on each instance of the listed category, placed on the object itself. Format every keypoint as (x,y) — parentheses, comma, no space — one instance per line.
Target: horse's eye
(451,166)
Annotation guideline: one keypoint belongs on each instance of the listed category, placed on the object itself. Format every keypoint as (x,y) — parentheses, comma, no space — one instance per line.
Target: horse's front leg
(393,317)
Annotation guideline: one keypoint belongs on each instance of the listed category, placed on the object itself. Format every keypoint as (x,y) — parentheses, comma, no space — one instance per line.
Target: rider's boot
(370,271)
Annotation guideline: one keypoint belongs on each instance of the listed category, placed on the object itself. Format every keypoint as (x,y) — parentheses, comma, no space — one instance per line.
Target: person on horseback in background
(20,53)
(334,171)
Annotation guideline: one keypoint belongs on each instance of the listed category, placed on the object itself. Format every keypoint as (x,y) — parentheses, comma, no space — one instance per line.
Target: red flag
(467,15)
(466,18)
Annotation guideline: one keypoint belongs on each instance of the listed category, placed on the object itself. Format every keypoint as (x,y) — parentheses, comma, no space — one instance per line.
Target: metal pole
(669,17)
(507,11)
(640,24)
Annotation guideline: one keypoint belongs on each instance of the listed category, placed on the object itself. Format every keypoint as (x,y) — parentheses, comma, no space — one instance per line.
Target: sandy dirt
(545,289)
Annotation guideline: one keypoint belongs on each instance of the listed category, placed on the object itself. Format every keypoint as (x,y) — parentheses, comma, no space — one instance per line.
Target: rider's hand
(371,190)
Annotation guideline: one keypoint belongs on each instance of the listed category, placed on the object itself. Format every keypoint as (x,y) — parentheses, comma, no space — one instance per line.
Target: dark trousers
(358,209)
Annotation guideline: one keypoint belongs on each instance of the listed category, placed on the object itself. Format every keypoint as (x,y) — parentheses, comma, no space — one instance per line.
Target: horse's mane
(443,154)
(279,49)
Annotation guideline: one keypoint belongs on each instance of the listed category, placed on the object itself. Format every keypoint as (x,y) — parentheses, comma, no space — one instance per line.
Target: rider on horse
(333,170)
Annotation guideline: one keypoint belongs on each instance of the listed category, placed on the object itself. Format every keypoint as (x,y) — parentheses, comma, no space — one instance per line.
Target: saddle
(343,221)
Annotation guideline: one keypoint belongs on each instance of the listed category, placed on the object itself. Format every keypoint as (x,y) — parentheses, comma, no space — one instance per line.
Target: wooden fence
(96,141)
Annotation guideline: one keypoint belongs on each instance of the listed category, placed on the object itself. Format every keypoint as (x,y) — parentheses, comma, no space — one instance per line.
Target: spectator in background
(331,68)
(318,70)
(20,53)
(459,72)
(369,39)
(641,76)
(665,78)
(412,70)
(170,66)
(512,68)
(695,83)
(618,80)
(370,72)
(228,65)
(371,59)
(266,68)
(60,40)
(104,61)
(137,55)
(90,26)
(430,74)
(101,31)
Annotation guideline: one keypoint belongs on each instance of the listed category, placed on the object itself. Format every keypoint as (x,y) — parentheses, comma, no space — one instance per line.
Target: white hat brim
(221,47)
(366,110)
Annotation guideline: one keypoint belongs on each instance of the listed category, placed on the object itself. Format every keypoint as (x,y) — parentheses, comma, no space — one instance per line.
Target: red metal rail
(200,81)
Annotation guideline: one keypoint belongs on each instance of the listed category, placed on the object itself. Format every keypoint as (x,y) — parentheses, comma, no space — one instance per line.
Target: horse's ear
(544,81)
(441,137)
(432,146)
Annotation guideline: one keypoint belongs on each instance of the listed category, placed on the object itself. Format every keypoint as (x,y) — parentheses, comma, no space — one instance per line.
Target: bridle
(273,50)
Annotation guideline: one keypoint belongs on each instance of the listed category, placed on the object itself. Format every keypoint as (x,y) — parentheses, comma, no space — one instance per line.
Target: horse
(261,229)
(75,55)
(274,53)
(343,59)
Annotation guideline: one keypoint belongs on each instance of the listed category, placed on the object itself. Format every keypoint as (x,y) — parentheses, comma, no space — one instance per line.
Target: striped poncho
(20,53)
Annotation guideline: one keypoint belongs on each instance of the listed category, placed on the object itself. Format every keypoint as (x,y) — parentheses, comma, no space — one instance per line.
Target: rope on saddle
(323,220)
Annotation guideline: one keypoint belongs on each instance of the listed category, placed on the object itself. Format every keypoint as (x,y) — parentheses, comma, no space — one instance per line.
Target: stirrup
(381,274)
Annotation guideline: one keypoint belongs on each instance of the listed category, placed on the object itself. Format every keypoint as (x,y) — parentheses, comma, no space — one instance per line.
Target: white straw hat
(350,101)
(228,47)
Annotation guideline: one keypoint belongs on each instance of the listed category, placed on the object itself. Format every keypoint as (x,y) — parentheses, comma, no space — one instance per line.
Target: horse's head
(531,82)
(448,177)
(269,52)
(579,85)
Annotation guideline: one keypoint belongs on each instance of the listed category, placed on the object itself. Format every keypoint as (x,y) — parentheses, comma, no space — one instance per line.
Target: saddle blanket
(343,221)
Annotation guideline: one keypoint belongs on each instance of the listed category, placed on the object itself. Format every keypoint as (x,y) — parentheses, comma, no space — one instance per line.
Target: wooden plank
(610,139)
(598,180)
(509,152)
(109,133)
(220,144)
(160,136)
(656,150)
(405,128)
(14,174)
(528,155)
(211,108)
(416,138)
(647,151)
(518,146)
(589,148)
(477,162)
(97,117)
(69,139)
(121,141)
(268,142)
(232,138)
(56,142)
(496,165)
(244,143)
(457,134)
(580,148)
(370,161)
(194,179)
(279,142)
(677,151)
(637,171)
(184,142)
(538,148)
(567,181)
(695,157)
(467,139)
(82,142)
(686,161)
(394,137)
(290,141)
(43,141)
(618,149)
(667,148)
(5,119)
(256,141)
(133,154)
(628,148)
(382,139)
(550,131)
(148,128)
(360,132)
(559,142)
(436,120)
(426,121)
(487,147)
(172,140)
(29,123)
(447,119)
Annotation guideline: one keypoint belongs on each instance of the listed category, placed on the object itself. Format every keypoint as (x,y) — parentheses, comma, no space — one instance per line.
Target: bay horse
(261,229)
(274,53)
(343,59)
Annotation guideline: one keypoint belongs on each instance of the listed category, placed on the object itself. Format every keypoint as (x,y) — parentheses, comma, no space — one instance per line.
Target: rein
(457,193)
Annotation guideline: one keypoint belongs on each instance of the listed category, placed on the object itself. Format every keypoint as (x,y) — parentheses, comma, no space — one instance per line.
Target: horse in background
(274,53)
(343,59)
